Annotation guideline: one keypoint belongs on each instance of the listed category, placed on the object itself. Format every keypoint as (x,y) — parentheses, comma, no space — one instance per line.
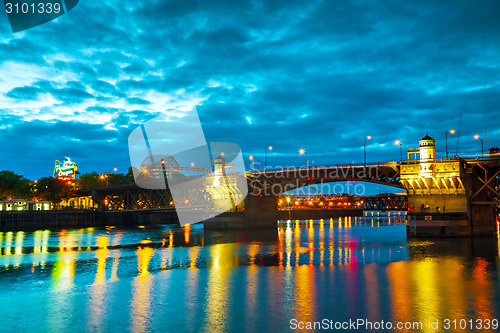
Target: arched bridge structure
(276,182)
(452,196)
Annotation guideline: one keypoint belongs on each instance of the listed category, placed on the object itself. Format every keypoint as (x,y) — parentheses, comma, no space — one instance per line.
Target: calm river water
(170,279)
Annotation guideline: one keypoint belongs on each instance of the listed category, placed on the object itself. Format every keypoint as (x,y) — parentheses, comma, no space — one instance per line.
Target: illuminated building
(23,204)
(432,184)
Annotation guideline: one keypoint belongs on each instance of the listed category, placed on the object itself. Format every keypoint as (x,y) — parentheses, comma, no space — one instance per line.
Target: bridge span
(445,197)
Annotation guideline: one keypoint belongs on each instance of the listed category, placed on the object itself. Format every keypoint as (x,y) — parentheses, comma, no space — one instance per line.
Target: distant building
(23,204)
(155,165)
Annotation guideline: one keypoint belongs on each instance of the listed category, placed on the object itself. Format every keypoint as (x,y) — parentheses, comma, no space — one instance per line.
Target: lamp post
(251,159)
(477,137)
(265,155)
(400,144)
(302,151)
(452,131)
(364,147)
(163,169)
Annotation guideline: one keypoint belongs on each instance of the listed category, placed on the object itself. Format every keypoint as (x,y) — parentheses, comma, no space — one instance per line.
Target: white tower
(427,149)
(219,164)
(427,154)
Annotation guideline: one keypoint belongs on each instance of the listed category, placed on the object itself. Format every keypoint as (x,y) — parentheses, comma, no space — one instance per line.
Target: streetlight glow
(364,147)
(477,137)
(452,131)
(397,142)
(265,155)
(302,151)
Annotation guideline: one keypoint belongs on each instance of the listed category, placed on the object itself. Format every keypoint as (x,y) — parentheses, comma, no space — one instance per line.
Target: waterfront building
(23,205)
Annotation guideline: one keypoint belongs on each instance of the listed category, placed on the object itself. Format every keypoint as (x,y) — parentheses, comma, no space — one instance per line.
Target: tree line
(14,186)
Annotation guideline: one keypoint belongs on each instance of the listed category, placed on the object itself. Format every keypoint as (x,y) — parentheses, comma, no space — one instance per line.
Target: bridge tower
(427,151)
(223,187)
(238,212)
(446,197)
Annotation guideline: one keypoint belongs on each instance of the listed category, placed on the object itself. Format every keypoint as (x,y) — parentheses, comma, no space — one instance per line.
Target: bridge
(445,197)
(276,182)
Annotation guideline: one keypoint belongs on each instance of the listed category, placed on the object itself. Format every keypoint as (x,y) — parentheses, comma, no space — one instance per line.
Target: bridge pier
(260,212)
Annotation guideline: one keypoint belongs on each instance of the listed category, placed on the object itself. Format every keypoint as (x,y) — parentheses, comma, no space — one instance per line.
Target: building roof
(427,137)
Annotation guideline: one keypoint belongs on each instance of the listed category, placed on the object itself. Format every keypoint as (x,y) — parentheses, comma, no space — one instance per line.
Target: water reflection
(141,287)
(190,279)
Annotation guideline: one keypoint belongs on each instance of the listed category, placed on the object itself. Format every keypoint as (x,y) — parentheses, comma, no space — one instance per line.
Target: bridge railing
(324,167)
(437,160)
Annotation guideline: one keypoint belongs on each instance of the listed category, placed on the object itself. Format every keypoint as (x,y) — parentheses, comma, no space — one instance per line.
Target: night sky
(318,75)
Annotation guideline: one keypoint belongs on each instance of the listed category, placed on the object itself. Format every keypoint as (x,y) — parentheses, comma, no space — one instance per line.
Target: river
(171,279)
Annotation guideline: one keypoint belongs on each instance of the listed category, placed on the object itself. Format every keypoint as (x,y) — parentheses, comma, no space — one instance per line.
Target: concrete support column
(261,212)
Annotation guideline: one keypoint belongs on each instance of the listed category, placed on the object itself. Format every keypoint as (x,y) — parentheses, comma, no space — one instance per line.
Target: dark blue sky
(317,75)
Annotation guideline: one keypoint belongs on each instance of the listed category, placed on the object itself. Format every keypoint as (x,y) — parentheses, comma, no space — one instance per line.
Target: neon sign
(65,170)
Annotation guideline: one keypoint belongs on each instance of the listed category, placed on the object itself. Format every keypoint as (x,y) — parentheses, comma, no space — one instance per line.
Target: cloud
(319,75)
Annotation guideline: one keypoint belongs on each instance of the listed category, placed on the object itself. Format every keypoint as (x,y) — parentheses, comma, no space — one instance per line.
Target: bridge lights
(477,137)
(265,155)
(369,137)
(400,144)
(302,151)
(452,131)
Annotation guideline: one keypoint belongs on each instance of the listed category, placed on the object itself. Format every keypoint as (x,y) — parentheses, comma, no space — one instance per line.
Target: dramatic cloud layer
(318,75)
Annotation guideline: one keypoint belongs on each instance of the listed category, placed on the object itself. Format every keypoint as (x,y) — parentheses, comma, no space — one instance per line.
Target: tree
(89,180)
(93,179)
(14,186)
(52,189)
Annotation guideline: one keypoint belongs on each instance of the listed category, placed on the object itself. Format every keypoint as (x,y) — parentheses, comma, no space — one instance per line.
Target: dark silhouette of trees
(52,189)
(14,186)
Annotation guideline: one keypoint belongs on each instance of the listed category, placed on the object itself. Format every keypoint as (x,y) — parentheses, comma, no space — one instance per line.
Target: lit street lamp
(302,151)
(400,144)
(102,177)
(251,159)
(477,137)
(265,155)
(364,147)
(452,131)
